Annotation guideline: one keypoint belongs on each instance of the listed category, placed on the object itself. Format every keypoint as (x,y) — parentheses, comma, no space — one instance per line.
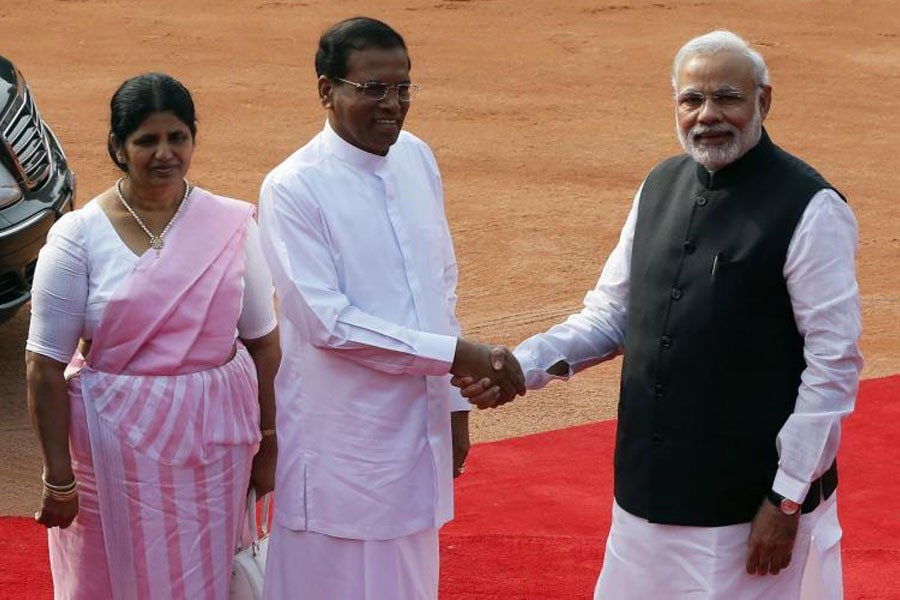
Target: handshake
(488,376)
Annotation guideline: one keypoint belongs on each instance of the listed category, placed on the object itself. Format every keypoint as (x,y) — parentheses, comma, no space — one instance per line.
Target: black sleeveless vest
(712,353)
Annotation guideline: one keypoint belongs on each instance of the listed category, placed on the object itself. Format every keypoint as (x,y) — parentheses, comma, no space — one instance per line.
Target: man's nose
(392,99)
(709,111)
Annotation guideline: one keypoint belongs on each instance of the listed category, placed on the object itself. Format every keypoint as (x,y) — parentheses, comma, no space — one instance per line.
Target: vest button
(659,390)
(666,341)
(676,294)
(701,200)
(657,439)
(689,247)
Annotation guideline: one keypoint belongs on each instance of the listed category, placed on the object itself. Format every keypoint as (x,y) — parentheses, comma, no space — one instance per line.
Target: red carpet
(533,513)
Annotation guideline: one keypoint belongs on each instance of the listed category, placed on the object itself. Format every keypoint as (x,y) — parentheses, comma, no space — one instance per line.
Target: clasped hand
(488,376)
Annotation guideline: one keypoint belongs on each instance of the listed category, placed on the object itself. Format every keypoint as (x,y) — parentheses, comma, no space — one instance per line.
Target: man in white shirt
(354,230)
(732,294)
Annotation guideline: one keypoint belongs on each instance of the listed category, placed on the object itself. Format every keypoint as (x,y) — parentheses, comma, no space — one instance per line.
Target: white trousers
(645,560)
(302,565)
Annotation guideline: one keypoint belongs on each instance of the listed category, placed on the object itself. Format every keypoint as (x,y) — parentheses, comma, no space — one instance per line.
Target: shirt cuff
(458,403)
(537,377)
(436,353)
(790,487)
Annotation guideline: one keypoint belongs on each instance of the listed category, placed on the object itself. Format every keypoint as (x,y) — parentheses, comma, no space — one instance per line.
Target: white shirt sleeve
(597,332)
(820,272)
(59,292)
(295,242)
(257,309)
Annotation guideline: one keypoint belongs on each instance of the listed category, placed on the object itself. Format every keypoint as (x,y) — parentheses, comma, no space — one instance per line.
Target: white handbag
(249,567)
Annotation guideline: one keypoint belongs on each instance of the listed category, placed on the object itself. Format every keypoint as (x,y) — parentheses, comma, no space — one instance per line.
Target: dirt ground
(544,115)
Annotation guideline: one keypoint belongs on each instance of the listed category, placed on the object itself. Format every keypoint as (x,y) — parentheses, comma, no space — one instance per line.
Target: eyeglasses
(378,90)
(725,99)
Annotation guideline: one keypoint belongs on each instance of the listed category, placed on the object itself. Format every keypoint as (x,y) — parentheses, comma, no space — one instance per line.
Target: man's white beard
(714,157)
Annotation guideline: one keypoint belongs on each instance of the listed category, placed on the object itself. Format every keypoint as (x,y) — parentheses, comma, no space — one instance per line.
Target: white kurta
(821,279)
(365,274)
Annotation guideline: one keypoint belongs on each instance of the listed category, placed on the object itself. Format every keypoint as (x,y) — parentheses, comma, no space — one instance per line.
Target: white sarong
(303,565)
(649,561)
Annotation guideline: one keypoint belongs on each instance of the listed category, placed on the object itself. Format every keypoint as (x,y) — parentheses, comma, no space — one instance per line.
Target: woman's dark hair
(141,96)
(355,33)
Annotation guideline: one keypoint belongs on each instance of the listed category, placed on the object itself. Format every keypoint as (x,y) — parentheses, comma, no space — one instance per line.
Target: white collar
(350,153)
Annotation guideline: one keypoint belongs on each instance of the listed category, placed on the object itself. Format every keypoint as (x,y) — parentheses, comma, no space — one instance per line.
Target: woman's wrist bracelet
(60,493)
(59,489)
(62,496)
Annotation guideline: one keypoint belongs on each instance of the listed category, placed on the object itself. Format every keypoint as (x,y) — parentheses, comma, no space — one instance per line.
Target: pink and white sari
(164,422)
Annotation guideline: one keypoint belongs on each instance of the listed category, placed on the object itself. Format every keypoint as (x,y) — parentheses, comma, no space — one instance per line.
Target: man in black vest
(732,294)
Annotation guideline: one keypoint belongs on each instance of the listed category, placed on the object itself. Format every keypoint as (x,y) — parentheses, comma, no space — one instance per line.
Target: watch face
(789,507)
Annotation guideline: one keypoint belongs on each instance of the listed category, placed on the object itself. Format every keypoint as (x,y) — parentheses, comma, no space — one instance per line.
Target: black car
(36,187)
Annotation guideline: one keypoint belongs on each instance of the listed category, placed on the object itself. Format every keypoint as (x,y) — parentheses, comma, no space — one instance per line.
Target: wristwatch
(785,505)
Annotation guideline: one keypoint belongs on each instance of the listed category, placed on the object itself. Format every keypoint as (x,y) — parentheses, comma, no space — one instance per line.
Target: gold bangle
(61,496)
(268,432)
(60,489)
(65,498)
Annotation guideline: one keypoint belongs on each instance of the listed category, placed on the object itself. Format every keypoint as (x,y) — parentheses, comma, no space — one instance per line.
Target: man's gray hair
(717,41)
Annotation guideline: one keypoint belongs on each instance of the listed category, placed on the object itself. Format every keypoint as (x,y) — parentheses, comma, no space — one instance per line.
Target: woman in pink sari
(150,360)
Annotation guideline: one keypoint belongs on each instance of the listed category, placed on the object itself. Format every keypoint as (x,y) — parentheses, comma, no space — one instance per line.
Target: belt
(821,489)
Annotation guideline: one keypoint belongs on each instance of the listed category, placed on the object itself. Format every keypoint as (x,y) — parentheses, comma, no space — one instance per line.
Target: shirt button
(701,200)
(689,247)
(666,341)
(676,294)
(657,439)
(659,390)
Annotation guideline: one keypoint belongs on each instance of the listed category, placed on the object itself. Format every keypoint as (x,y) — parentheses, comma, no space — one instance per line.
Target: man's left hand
(772,536)
(459,429)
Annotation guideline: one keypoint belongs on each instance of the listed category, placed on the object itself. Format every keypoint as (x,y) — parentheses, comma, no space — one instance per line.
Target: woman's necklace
(156,241)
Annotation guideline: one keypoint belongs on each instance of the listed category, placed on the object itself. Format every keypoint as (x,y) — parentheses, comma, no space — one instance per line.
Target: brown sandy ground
(544,115)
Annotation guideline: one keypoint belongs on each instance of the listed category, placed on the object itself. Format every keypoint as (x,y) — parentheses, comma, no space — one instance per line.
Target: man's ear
(765,102)
(326,91)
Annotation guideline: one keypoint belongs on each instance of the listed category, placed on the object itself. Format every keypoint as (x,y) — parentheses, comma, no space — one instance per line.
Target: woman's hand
(266,355)
(48,403)
(262,474)
(56,513)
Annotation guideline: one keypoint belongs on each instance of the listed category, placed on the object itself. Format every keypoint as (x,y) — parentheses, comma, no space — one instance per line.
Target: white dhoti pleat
(650,561)
(303,565)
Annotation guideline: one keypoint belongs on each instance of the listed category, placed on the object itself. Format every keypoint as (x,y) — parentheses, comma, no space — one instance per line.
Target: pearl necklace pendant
(156,241)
